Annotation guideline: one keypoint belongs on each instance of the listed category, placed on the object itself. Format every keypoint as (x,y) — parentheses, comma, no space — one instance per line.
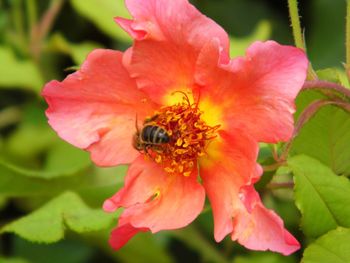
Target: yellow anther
(179,142)
(180,151)
(186,174)
(180,168)
(197,125)
(158,158)
(185,144)
(169,170)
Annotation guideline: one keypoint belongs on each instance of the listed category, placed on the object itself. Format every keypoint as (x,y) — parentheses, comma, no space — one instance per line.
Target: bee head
(136,142)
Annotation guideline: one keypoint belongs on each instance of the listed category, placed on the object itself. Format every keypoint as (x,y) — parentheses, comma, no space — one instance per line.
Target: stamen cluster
(189,137)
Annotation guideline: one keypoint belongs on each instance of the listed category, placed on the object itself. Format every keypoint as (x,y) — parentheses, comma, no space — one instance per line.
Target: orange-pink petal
(168,38)
(259,89)
(155,200)
(122,234)
(95,108)
(237,208)
(229,166)
(259,228)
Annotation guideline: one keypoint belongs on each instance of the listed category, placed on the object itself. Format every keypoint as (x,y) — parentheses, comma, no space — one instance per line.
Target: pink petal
(95,108)
(259,89)
(232,166)
(169,36)
(236,205)
(261,228)
(155,200)
(122,234)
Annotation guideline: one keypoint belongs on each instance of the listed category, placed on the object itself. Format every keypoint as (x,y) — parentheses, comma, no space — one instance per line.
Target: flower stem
(294,17)
(273,167)
(347,43)
(297,34)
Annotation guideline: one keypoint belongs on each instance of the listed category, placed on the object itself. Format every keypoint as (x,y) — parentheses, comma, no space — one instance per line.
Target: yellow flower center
(175,137)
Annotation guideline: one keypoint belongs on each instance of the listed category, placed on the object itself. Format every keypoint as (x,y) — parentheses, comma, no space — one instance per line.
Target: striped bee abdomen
(152,134)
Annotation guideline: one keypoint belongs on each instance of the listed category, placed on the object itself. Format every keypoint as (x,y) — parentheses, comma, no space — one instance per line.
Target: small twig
(273,167)
(322,84)
(347,41)
(40,31)
(274,152)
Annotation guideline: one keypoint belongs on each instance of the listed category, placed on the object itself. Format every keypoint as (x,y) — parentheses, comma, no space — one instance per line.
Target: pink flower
(207,112)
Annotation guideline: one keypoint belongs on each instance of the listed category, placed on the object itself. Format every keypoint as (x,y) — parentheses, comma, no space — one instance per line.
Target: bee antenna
(136,124)
(196,103)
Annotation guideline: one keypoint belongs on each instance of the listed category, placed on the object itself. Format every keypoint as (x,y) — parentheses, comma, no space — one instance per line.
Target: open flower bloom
(175,106)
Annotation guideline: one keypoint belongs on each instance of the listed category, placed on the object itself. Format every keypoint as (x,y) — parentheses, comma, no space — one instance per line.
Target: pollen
(189,137)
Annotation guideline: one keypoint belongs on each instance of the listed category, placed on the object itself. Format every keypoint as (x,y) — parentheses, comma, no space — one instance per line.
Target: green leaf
(29,140)
(64,158)
(101,13)
(16,73)
(333,247)
(18,182)
(9,171)
(322,197)
(48,223)
(32,136)
(261,32)
(326,136)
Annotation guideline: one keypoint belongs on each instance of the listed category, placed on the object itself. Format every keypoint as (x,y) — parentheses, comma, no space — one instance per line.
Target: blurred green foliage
(50,190)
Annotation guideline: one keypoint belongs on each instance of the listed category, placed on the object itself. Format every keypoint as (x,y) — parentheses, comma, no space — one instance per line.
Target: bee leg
(146,151)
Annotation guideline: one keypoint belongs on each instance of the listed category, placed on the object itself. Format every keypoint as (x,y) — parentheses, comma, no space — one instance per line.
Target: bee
(150,136)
